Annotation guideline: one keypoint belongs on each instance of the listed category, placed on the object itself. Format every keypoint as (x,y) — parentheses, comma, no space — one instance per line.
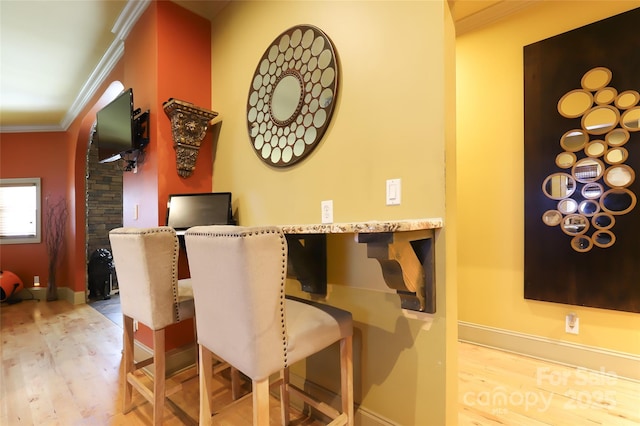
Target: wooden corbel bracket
(407,261)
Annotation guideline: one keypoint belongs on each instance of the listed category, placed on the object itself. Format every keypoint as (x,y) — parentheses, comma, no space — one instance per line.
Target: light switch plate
(393,192)
(327,211)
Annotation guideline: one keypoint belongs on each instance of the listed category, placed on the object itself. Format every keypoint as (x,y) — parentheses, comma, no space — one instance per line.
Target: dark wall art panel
(582,166)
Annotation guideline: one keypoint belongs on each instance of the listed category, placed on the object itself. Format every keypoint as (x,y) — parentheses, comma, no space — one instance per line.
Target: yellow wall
(393,119)
(490,132)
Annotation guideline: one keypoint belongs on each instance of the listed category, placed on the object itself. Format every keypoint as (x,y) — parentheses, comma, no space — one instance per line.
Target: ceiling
(54,54)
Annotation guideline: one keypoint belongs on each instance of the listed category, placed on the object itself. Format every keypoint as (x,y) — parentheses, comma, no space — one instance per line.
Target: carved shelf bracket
(407,263)
(189,125)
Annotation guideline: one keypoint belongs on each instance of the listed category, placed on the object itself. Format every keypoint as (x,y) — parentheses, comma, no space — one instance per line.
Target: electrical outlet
(393,192)
(327,211)
(572,324)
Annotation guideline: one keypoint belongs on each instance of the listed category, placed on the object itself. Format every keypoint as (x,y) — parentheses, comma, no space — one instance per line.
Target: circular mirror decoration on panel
(292,95)
(591,182)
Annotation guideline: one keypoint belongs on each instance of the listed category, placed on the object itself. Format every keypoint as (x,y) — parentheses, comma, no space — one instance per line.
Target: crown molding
(125,22)
(491,14)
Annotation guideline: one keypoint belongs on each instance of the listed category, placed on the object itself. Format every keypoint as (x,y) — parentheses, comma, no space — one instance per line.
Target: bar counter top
(364,227)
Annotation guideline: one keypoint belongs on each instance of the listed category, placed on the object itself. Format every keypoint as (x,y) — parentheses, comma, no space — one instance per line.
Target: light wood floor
(61,366)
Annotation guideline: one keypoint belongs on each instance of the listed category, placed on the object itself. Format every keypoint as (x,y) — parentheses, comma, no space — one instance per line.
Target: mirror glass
(292,95)
(595,148)
(605,96)
(601,119)
(603,238)
(575,224)
(619,176)
(616,155)
(627,99)
(588,207)
(565,160)
(592,191)
(587,170)
(631,119)
(558,186)
(286,98)
(603,220)
(596,78)
(618,201)
(552,217)
(617,137)
(581,243)
(575,103)
(574,140)
(567,206)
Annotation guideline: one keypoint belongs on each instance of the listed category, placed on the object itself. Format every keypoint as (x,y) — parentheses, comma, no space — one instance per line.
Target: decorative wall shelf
(189,125)
(404,249)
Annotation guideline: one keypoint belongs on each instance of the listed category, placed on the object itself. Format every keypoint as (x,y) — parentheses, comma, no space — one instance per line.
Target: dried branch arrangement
(55,221)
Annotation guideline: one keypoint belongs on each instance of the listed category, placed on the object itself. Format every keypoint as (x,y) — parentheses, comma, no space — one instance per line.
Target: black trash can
(101,274)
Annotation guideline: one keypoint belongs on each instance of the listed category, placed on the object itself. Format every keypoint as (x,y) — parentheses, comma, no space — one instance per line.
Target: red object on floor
(10,284)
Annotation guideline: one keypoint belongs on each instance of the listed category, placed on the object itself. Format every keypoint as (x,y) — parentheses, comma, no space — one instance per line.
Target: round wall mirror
(565,160)
(552,217)
(592,191)
(587,170)
(619,176)
(630,119)
(558,186)
(627,99)
(575,224)
(588,207)
(603,220)
(603,238)
(581,243)
(595,148)
(568,206)
(575,103)
(601,119)
(617,137)
(596,78)
(616,155)
(292,95)
(605,96)
(618,201)
(574,140)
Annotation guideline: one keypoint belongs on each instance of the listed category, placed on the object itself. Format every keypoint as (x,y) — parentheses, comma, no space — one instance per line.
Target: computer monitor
(187,210)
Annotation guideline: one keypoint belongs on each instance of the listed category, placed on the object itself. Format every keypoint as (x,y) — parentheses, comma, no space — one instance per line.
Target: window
(20,211)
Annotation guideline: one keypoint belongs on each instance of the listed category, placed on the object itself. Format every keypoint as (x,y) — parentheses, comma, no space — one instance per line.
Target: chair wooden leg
(158,376)
(195,339)
(235,383)
(205,376)
(284,396)
(261,402)
(346,377)
(128,367)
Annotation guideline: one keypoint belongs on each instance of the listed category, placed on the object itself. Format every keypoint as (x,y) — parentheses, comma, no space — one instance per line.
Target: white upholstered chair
(238,276)
(146,262)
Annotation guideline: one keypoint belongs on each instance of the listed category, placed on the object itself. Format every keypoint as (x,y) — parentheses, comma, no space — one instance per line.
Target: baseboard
(623,364)
(64,293)
(362,416)
(176,359)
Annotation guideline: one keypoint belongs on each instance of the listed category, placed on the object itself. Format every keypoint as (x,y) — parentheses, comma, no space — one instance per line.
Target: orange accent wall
(43,155)
(167,55)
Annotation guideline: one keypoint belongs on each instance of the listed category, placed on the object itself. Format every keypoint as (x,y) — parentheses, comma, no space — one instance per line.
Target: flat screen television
(210,208)
(118,129)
